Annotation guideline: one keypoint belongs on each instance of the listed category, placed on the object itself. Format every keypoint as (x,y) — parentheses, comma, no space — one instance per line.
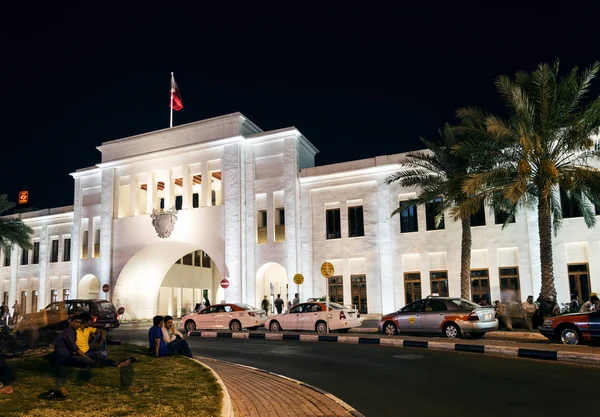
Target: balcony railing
(280,233)
(262,235)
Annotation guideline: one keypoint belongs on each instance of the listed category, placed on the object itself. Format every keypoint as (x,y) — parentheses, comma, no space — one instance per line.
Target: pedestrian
(199,307)
(591,305)
(529,310)
(296,299)
(176,344)
(503,316)
(16,312)
(206,302)
(574,305)
(4,314)
(279,304)
(264,304)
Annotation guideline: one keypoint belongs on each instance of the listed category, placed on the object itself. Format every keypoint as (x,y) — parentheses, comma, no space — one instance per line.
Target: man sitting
(98,351)
(174,339)
(158,347)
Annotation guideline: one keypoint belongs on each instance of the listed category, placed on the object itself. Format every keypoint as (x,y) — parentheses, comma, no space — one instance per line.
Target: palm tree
(546,143)
(12,230)
(441,172)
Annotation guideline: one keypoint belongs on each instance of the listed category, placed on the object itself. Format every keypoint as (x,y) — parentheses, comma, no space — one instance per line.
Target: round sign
(298,279)
(224,283)
(121,310)
(327,269)
(106,288)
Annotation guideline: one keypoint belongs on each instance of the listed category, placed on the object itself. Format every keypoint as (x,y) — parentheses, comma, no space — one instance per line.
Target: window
(54,251)
(356,226)
(261,218)
(478,218)
(5,298)
(414,307)
(412,286)
(162,203)
(501,214)
(205,260)
(509,285)
(408,219)
(67,250)
(84,245)
(195,200)
(281,216)
(187,259)
(7,257)
(579,282)
(24,257)
(336,289)
(23,302)
(439,283)
(568,206)
(97,244)
(480,285)
(54,298)
(332,217)
(213,198)
(432,210)
(280,225)
(435,305)
(36,253)
(178,202)
(358,291)
(197,257)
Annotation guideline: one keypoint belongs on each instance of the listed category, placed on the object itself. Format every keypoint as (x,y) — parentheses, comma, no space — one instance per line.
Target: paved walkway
(256,393)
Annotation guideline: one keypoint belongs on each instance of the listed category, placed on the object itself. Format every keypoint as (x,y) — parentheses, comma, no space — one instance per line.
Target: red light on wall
(23,197)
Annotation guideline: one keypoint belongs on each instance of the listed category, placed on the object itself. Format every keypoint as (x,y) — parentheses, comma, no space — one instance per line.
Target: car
(235,316)
(450,316)
(572,329)
(312,316)
(55,316)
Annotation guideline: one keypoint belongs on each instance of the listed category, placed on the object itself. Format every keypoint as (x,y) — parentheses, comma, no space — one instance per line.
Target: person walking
(296,299)
(4,314)
(279,304)
(265,305)
(529,310)
(16,312)
(591,305)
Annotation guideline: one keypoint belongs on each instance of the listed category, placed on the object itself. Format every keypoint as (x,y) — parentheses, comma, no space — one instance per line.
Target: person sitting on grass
(174,339)
(6,379)
(97,349)
(158,347)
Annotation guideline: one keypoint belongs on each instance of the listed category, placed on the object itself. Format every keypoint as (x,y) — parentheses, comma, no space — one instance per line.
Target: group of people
(265,304)
(6,318)
(165,340)
(201,306)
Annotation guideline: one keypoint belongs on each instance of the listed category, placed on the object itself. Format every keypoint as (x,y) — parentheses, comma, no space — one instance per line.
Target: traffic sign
(224,283)
(327,269)
(298,279)
(106,288)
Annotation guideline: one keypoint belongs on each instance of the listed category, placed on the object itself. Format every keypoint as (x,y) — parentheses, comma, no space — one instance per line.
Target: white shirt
(168,336)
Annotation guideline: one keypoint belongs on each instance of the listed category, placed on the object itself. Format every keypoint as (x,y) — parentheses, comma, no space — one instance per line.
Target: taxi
(313,316)
(234,316)
(572,329)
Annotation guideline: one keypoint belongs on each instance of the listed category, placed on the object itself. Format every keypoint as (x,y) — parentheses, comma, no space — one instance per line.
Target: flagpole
(171,123)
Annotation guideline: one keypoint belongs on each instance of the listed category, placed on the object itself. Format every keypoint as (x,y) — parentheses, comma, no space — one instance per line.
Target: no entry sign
(224,283)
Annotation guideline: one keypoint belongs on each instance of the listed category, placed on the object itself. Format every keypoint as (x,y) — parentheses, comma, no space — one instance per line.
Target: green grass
(173,386)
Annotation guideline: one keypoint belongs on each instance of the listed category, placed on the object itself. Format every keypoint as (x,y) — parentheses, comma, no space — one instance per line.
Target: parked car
(313,316)
(55,316)
(572,329)
(222,316)
(450,316)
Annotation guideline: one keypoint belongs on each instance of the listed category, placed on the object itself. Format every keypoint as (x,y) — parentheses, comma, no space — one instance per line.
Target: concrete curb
(348,407)
(514,352)
(226,407)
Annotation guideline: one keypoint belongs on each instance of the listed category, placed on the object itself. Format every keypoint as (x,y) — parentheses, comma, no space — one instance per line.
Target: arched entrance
(151,278)
(271,279)
(89,287)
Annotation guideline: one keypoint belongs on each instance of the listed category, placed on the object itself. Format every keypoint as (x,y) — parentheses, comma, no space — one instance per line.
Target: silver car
(450,316)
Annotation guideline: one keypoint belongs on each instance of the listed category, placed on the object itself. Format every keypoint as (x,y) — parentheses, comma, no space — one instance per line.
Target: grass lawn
(174,386)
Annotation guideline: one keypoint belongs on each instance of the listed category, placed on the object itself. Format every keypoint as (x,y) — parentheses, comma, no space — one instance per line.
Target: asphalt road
(385,381)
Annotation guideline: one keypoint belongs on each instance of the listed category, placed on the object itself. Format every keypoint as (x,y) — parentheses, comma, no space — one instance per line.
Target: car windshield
(336,306)
(107,306)
(246,306)
(462,303)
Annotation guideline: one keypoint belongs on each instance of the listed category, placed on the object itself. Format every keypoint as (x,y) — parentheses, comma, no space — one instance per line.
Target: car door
(409,318)
(595,325)
(223,316)
(291,320)
(309,317)
(206,318)
(433,315)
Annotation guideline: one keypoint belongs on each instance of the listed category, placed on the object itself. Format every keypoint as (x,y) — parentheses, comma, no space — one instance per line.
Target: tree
(544,146)
(12,230)
(441,173)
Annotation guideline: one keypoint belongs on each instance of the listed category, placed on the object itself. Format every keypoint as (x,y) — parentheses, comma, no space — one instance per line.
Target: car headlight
(547,323)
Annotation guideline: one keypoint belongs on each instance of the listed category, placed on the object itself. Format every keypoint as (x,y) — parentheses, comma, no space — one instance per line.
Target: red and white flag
(176,103)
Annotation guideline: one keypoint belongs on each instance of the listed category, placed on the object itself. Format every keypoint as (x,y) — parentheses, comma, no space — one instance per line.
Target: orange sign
(23,197)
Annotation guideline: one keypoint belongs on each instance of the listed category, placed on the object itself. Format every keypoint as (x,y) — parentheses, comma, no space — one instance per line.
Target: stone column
(14,276)
(187,187)
(106,225)
(75,240)
(150,192)
(168,191)
(43,295)
(291,206)
(206,187)
(385,246)
(232,207)
(132,195)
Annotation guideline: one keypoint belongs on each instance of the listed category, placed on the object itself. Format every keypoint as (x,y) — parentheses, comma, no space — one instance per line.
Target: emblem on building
(164,221)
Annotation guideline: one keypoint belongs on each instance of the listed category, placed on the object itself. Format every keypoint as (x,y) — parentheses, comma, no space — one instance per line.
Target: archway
(89,287)
(271,279)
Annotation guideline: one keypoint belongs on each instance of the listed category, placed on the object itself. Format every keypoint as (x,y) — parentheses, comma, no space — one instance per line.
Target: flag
(176,103)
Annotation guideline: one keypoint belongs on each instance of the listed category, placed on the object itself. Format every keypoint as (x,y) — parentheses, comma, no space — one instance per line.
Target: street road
(386,381)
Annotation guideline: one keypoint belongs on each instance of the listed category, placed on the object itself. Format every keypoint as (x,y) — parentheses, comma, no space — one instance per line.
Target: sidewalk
(257,393)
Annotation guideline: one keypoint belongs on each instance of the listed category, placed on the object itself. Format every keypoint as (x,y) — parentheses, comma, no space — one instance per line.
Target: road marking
(409,356)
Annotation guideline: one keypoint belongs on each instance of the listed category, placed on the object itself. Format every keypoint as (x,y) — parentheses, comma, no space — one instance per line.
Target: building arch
(271,279)
(88,287)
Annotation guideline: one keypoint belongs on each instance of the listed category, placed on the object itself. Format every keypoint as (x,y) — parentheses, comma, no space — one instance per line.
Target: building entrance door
(23,303)
(359,292)
(579,282)
(34,301)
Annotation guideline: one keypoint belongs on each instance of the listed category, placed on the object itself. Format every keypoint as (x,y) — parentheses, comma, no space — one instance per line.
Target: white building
(266,214)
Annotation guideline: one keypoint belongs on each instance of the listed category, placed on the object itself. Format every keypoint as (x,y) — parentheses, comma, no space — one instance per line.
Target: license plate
(487,316)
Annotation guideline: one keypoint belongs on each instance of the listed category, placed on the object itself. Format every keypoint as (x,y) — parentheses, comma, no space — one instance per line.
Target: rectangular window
(7,257)
(24,257)
(358,291)
(579,282)
(54,251)
(501,214)
(84,245)
(53,296)
(205,260)
(439,283)
(67,250)
(261,232)
(480,285)
(478,218)
(412,286)
(332,217)
(213,198)
(36,253)
(336,289)
(356,226)
(568,206)
(408,220)
(195,200)
(280,225)
(509,285)
(5,298)
(432,210)
(23,302)
(187,259)
(162,203)
(178,202)
(97,244)
(197,257)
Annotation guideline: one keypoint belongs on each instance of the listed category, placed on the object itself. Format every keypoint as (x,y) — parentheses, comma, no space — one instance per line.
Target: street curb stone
(514,352)
(226,407)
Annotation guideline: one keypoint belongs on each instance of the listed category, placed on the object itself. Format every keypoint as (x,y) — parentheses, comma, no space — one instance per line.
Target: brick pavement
(256,393)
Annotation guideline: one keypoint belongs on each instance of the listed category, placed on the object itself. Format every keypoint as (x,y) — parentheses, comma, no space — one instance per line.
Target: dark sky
(357,80)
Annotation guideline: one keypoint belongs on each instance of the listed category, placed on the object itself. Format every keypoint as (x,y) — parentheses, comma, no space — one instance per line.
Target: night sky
(357,82)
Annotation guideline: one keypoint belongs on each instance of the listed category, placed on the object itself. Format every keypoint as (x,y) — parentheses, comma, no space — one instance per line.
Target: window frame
(333,222)
(432,209)
(409,223)
(356,221)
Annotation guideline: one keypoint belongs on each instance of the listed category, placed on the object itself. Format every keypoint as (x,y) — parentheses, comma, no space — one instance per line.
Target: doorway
(359,292)
(579,282)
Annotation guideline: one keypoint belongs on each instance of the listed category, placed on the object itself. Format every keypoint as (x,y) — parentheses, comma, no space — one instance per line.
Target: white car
(312,316)
(225,316)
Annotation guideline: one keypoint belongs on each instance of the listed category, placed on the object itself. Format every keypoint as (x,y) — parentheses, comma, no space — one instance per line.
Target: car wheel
(190,325)
(389,328)
(235,326)
(452,331)
(321,327)
(274,326)
(477,335)
(570,336)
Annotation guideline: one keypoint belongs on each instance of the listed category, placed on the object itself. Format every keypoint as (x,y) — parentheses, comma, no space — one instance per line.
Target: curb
(347,406)
(226,407)
(515,352)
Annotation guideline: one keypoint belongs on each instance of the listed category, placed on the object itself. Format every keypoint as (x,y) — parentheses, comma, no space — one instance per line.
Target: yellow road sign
(327,269)
(298,279)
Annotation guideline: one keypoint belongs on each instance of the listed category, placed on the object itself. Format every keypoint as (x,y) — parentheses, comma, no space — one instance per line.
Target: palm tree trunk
(465,259)
(546,261)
